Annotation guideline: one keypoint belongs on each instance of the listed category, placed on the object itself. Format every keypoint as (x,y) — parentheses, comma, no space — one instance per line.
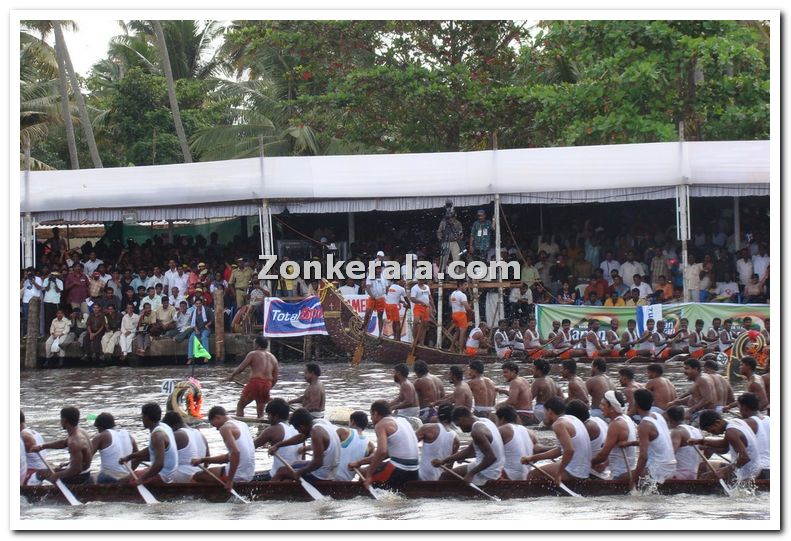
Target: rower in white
(191,444)
(439,441)
(355,445)
(518,441)
(657,458)
(621,429)
(486,446)
(278,430)
(688,461)
(112,443)
(240,457)
(325,444)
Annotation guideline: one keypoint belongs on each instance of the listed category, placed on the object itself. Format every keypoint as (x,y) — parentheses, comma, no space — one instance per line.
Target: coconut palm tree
(171,85)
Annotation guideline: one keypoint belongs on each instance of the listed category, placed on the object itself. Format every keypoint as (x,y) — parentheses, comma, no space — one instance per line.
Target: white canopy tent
(396,182)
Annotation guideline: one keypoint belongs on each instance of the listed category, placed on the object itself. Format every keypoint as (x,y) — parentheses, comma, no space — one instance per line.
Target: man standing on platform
(481,234)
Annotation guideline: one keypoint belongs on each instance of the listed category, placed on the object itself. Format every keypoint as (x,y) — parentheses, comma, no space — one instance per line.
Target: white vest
(353,448)
(687,459)
(402,446)
(439,448)
(753,467)
(289,454)
(580,465)
(519,446)
(332,453)
(519,341)
(533,340)
(661,459)
(494,470)
(246,469)
(32,459)
(598,442)
(120,446)
(171,461)
(473,342)
(505,343)
(762,440)
(617,465)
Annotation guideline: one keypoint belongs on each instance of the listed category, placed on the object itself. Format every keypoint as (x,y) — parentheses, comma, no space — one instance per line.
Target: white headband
(609,396)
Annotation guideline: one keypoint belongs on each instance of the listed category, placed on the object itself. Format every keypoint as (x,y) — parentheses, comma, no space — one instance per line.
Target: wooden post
(219,325)
(307,345)
(439,314)
(31,343)
(476,305)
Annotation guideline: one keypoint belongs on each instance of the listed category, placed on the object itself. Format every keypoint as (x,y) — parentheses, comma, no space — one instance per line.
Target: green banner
(580,316)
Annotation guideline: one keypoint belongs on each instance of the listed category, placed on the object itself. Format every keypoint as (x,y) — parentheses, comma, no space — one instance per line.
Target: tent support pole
(29,232)
(737,224)
(440,303)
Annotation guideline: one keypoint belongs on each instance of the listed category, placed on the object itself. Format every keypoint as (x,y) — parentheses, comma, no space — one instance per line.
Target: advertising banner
(580,316)
(289,319)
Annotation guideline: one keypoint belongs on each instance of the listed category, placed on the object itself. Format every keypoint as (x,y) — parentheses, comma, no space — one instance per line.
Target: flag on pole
(198,351)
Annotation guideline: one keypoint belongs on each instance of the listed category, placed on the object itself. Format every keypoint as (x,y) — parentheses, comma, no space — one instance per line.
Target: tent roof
(401,181)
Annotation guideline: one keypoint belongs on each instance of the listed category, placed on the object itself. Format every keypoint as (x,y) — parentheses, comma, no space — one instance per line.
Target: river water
(121,391)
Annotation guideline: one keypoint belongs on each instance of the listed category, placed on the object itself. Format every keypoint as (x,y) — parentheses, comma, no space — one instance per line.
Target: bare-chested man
(765,379)
(701,395)
(755,383)
(598,384)
(405,404)
(576,387)
(78,442)
(429,389)
(263,376)
(483,389)
(662,388)
(626,377)
(518,392)
(461,395)
(313,398)
(723,387)
(543,388)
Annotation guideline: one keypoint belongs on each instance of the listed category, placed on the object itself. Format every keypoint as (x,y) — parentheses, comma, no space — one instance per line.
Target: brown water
(121,391)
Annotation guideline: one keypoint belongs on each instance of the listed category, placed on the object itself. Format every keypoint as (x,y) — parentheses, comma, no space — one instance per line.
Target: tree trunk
(31,342)
(85,120)
(64,106)
(174,104)
(219,325)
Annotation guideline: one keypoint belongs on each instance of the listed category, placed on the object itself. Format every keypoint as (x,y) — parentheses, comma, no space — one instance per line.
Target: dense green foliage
(333,87)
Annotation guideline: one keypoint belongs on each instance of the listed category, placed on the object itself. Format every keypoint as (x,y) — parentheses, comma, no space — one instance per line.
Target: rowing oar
(628,468)
(72,499)
(562,485)
(233,491)
(472,485)
(723,484)
(370,488)
(310,489)
(144,492)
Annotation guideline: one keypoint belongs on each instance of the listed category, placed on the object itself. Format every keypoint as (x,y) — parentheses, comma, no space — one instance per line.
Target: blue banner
(284,319)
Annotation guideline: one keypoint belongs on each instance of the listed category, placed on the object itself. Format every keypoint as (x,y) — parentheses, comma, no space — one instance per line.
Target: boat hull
(342,490)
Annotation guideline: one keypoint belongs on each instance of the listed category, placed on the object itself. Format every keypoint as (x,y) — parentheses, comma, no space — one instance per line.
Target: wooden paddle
(310,489)
(410,358)
(370,488)
(723,484)
(144,492)
(562,485)
(628,468)
(471,485)
(70,497)
(359,351)
(233,491)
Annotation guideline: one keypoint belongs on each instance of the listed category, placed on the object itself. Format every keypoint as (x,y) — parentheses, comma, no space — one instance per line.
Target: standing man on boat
(656,456)
(459,308)
(429,389)
(395,439)
(161,452)
(662,388)
(519,395)
(376,288)
(461,395)
(598,384)
(394,298)
(483,389)
(112,444)
(313,398)
(406,403)
(263,376)
(240,457)
(78,471)
(277,431)
(486,447)
(574,446)
(439,440)
(422,310)
(543,388)
(620,430)
(190,443)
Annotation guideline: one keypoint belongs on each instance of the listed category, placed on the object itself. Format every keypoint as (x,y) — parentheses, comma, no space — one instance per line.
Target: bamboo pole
(31,342)
(219,325)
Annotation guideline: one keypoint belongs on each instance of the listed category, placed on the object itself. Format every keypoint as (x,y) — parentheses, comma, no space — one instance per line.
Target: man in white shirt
(395,297)
(53,286)
(727,289)
(422,309)
(153,299)
(156,278)
(376,287)
(31,287)
(349,288)
(692,276)
(58,330)
(744,267)
(761,262)
(176,296)
(608,265)
(459,307)
(92,264)
(630,268)
(645,289)
(520,299)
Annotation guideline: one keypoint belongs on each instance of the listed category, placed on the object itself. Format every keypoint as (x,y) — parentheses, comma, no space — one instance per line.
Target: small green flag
(198,351)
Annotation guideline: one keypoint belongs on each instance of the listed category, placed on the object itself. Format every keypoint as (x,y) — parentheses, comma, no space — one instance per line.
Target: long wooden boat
(345,328)
(291,490)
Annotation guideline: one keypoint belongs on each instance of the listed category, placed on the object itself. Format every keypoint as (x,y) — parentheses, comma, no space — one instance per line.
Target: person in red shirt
(598,285)
(76,287)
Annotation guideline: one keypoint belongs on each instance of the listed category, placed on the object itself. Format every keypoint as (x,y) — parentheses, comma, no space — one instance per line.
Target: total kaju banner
(580,316)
